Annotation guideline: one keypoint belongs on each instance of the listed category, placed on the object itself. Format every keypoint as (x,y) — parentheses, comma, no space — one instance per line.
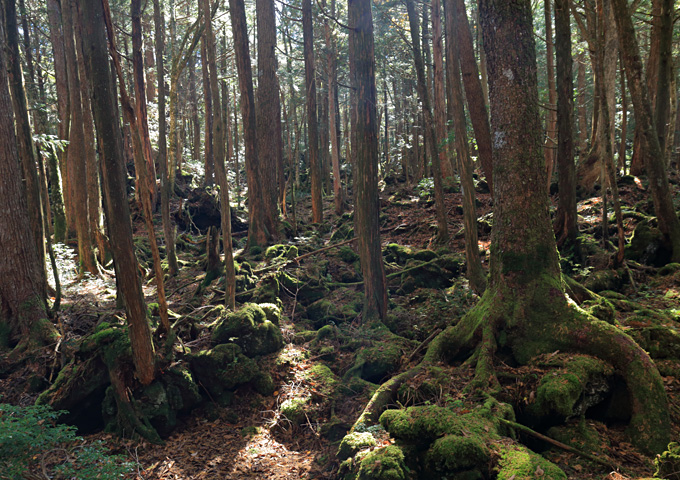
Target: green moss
(250,329)
(267,290)
(294,409)
(520,463)
(324,380)
(281,252)
(581,435)
(669,269)
(327,331)
(530,265)
(453,453)
(223,369)
(353,443)
(375,363)
(660,342)
(668,463)
(601,308)
(264,384)
(398,253)
(386,463)
(559,392)
(272,312)
(346,254)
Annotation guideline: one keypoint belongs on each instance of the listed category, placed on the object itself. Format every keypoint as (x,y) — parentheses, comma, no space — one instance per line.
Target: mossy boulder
(601,280)
(580,384)
(343,305)
(347,255)
(267,290)
(221,370)
(454,454)
(281,253)
(601,308)
(648,246)
(324,381)
(669,269)
(659,341)
(519,463)
(250,329)
(420,274)
(398,253)
(375,363)
(385,463)
(294,409)
(668,463)
(581,435)
(353,443)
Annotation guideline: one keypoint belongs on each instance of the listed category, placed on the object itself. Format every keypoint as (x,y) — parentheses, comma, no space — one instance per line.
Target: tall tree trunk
(257,229)
(565,225)
(582,106)
(312,127)
(220,170)
(332,69)
(423,94)
(367,208)
(456,110)
(64,114)
(439,92)
(477,98)
(196,133)
(268,115)
(24,137)
(550,145)
(145,195)
(654,164)
(76,157)
(168,229)
(118,213)
(208,97)
(621,163)
(662,31)
(22,285)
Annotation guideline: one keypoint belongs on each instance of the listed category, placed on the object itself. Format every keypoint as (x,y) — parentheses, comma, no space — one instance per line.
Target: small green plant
(31,441)
(425,188)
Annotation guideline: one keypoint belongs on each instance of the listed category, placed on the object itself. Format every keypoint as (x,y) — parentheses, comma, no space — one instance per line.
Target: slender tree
(367,206)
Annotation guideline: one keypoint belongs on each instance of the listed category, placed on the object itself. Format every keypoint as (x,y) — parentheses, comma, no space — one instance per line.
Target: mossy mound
(294,409)
(420,274)
(221,370)
(281,253)
(343,305)
(601,308)
(267,290)
(604,280)
(353,443)
(250,329)
(324,381)
(648,246)
(396,253)
(582,435)
(347,255)
(518,463)
(581,383)
(659,341)
(466,456)
(375,363)
(385,463)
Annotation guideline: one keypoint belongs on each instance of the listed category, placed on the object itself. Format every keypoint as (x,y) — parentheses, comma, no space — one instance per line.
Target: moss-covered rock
(324,381)
(398,253)
(580,384)
(581,435)
(648,246)
(375,363)
(223,369)
(386,463)
(660,342)
(346,254)
(342,306)
(353,443)
(250,329)
(454,454)
(267,290)
(601,308)
(604,280)
(294,409)
(520,463)
(420,274)
(281,253)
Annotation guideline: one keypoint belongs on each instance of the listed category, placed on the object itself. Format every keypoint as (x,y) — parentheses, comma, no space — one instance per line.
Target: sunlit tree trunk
(439,92)
(550,145)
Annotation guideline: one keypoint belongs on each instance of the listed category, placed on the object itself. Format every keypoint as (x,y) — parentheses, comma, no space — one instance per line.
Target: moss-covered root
(128,418)
(382,397)
(649,427)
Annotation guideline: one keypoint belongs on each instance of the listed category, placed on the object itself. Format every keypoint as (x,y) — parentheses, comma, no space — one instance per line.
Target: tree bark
(312,126)
(117,209)
(268,115)
(207,96)
(423,94)
(654,164)
(477,99)
(168,229)
(332,68)
(367,208)
(565,225)
(439,92)
(219,151)
(550,145)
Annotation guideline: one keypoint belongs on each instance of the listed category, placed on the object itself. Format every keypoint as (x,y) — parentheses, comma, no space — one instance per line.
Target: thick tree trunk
(654,164)
(367,208)
(565,225)
(220,170)
(22,287)
(168,229)
(118,214)
(24,137)
(477,98)
(333,112)
(268,115)
(456,110)
(312,126)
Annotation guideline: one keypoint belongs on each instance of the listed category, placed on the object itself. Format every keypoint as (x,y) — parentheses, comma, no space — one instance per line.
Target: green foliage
(30,434)
(425,188)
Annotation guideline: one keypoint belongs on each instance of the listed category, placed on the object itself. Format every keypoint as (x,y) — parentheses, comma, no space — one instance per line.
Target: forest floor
(253,439)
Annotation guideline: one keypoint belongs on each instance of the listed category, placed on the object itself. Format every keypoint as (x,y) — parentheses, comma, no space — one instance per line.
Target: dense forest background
(362,240)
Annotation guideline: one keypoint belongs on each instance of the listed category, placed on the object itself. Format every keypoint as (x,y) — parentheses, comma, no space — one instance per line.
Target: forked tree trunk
(117,209)
(312,126)
(367,208)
